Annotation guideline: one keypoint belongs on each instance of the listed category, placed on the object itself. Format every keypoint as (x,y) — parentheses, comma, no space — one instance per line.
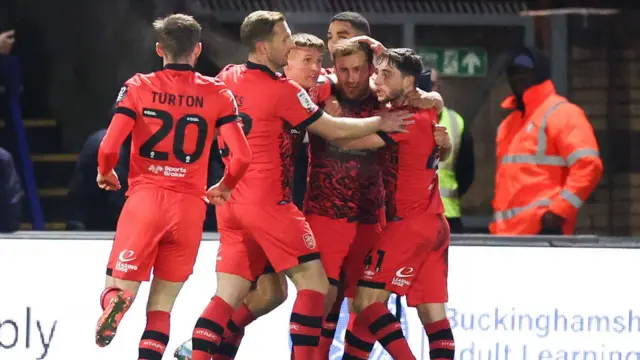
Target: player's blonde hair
(303,40)
(178,35)
(351,47)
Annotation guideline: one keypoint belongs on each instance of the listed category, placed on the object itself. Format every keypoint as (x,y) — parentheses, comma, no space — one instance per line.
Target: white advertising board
(506,304)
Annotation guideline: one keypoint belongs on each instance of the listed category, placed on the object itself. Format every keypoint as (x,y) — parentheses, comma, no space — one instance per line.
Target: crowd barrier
(510,299)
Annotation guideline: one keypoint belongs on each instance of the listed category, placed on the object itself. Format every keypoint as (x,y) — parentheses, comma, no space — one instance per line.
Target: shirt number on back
(247,123)
(147,150)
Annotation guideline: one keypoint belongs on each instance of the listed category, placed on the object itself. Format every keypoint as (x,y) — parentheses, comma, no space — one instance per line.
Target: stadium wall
(532,300)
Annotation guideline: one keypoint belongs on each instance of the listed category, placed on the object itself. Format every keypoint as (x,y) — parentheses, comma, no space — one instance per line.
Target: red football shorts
(251,236)
(411,259)
(159,229)
(343,247)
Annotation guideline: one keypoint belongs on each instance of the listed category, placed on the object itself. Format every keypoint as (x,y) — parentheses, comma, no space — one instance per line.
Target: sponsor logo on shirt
(306,101)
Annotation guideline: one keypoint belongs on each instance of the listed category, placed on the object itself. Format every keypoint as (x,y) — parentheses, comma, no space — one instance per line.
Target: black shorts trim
(310,120)
(372,284)
(308,258)
(334,282)
(226,120)
(387,139)
(268,269)
(126,111)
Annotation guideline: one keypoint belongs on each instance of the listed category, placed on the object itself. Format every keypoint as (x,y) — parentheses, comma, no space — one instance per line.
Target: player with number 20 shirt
(172,115)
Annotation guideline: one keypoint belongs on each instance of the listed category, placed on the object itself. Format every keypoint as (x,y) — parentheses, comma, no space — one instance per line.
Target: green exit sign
(462,62)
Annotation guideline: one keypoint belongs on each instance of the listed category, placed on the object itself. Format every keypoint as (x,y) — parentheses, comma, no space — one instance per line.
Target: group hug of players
(373,220)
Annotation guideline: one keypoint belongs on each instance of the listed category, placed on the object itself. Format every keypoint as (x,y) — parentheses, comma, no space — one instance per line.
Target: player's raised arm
(119,128)
(230,127)
(296,107)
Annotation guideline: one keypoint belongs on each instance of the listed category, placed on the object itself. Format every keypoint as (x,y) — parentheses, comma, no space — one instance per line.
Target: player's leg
(391,267)
(138,233)
(268,292)
(288,241)
(430,294)
(334,238)
(367,236)
(236,268)
(173,265)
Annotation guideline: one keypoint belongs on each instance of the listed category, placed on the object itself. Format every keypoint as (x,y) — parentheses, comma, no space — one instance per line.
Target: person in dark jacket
(10,194)
(95,209)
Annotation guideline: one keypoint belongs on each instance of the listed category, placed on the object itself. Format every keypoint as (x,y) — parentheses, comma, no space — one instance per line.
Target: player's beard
(393,96)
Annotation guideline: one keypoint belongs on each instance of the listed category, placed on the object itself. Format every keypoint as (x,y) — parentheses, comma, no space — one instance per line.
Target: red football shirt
(345,184)
(176,112)
(411,180)
(275,112)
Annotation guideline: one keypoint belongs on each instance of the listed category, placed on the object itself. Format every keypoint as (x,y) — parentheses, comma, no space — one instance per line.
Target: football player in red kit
(411,257)
(172,115)
(304,65)
(260,222)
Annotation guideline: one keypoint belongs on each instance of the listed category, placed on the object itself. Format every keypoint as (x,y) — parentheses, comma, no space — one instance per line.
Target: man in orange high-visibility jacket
(548,157)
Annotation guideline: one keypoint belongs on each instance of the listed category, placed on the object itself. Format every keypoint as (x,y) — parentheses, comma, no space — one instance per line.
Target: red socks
(209,329)
(358,341)
(441,344)
(386,329)
(329,330)
(234,333)
(306,324)
(155,337)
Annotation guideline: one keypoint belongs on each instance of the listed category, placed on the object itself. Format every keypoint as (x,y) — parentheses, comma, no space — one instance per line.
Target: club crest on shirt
(309,241)
(122,94)
(305,100)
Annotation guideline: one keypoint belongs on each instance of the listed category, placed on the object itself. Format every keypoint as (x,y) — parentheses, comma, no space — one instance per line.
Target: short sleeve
(127,97)
(227,108)
(295,105)
(325,88)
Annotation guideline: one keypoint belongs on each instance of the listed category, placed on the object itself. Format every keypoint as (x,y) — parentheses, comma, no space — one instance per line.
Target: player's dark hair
(406,60)
(258,26)
(178,35)
(359,22)
(350,47)
(303,40)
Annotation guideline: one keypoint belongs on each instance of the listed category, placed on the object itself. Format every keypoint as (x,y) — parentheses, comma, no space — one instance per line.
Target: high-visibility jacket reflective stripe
(446,169)
(541,159)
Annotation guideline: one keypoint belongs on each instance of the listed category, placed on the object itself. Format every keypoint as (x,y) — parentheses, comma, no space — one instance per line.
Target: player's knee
(429,313)
(271,292)
(330,299)
(309,276)
(366,297)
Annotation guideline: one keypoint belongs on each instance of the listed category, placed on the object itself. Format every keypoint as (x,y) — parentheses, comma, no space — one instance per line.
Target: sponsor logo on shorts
(400,282)
(125,257)
(369,274)
(309,241)
(405,272)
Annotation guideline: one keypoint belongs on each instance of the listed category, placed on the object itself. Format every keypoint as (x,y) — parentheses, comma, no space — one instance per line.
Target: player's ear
(197,50)
(159,50)
(261,47)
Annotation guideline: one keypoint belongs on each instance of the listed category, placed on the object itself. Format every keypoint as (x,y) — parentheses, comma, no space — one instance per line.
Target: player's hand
(425,100)
(395,121)
(332,106)
(218,194)
(7,39)
(375,45)
(442,136)
(109,181)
